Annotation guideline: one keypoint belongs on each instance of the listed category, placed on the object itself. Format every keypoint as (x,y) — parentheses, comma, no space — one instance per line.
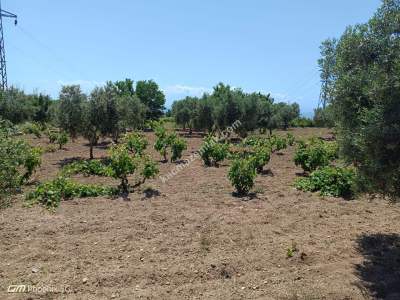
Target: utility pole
(3,68)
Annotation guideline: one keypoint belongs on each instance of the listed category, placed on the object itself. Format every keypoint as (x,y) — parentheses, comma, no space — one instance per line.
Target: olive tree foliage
(18,107)
(150,95)
(285,113)
(110,111)
(224,106)
(70,109)
(366,93)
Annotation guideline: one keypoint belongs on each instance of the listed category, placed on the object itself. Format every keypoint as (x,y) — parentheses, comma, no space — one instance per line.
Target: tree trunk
(91,150)
(124,185)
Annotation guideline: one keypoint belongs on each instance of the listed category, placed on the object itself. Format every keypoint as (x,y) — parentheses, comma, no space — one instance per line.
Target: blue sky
(186,46)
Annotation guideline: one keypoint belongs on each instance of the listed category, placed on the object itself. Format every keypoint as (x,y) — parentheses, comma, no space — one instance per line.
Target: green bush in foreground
(212,152)
(62,139)
(123,164)
(315,153)
(51,193)
(87,167)
(242,175)
(290,139)
(260,158)
(177,146)
(31,128)
(329,181)
(18,161)
(135,142)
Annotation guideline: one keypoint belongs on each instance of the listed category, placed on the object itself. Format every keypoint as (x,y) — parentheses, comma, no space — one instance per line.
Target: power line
(3,67)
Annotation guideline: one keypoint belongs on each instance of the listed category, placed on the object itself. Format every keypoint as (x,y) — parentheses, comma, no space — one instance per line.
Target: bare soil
(191,238)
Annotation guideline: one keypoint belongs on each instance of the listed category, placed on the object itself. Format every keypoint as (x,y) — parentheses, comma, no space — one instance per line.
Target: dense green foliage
(224,106)
(178,145)
(52,192)
(260,157)
(108,111)
(329,181)
(242,174)
(302,122)
(212,152)
(31,128)
(135,142)
(166,141)
(88,167)
(18,161)
(365,93)
(62,139)
(314,153)
(123,164)
(18,107)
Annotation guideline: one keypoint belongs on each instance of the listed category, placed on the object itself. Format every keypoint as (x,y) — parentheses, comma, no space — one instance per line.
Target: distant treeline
(140,102)
(225,105)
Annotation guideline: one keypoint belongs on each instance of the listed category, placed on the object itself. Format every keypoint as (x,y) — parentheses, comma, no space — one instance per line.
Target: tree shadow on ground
(70,160)
(150,193)
(267,172)
(245,197)
(380,270)
(180,162)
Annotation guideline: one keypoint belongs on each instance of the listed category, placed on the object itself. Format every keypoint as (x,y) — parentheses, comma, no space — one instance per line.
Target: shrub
(62,139)
(329,181)
(135,142)
(332,150)
(290,139)
(177,146)
(123,164)
(242,175)
(165,141)
(162,139)
(51,193)
(7,128)
(260,158)
(278,143)
(311,155)
(31,128)
(52,135)
(212,152)
(31,162)
(50,149)
(149,168)
(87,167)
(18,161)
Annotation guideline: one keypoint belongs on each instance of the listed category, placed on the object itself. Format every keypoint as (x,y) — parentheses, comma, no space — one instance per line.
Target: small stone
(35,270)
(84,280)
(243,287)
(113,296)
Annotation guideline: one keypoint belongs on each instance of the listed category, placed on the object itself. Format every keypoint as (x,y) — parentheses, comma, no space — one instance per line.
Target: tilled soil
(191,238)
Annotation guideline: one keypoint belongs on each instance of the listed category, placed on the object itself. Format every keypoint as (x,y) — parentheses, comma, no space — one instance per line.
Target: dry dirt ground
(190,238)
